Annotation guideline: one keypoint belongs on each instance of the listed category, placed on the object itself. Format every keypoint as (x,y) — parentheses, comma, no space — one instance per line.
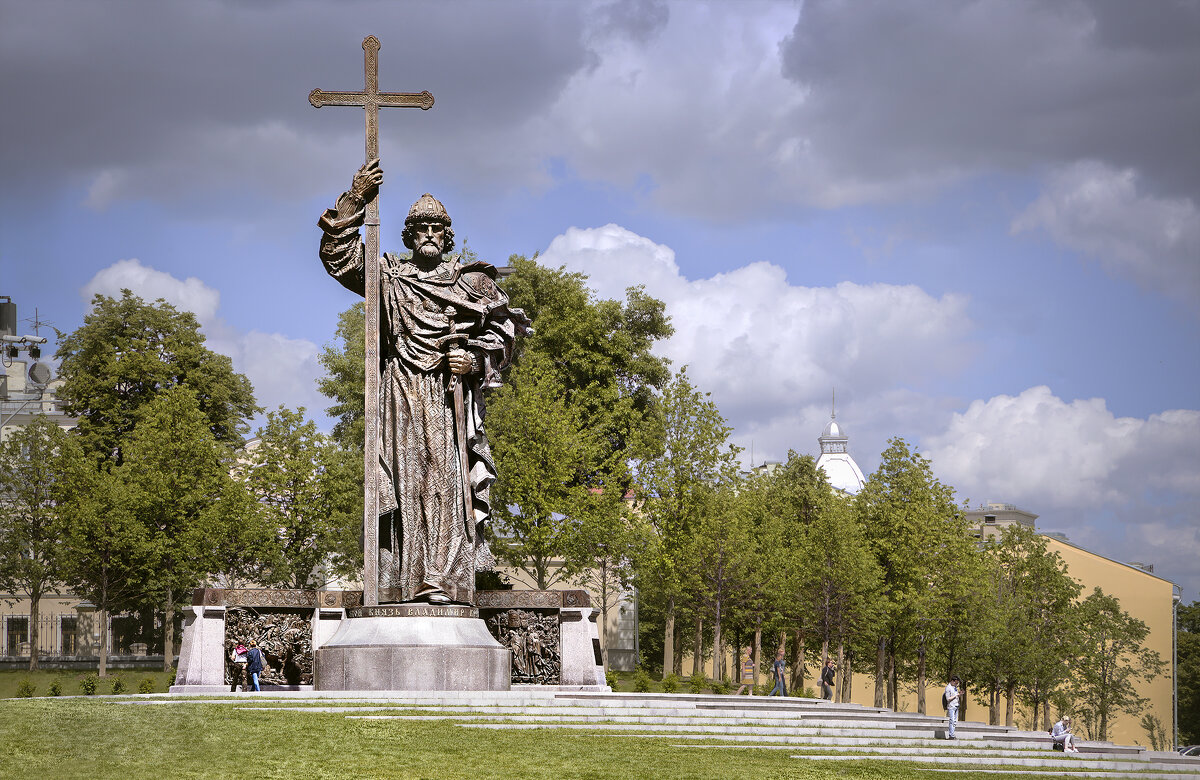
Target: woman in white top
(1061,733)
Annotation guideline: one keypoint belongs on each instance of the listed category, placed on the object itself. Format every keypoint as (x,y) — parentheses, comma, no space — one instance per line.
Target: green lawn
(103,738)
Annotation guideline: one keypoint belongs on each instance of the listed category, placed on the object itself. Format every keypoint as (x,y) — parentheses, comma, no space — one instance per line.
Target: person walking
(254,663)
(827,680)
(952,699)
(777,671)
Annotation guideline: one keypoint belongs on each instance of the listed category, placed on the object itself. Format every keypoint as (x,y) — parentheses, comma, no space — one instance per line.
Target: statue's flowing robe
(428,539)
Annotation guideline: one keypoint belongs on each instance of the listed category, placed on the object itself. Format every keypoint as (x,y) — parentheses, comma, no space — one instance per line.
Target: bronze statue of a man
(446,332)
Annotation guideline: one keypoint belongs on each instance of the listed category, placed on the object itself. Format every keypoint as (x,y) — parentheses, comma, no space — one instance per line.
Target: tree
(1111,659)
(34,465)
(344,361)
(106,550)
(919,540)
(1040,618)
(838,578)
(298,481)
(125,354)
(541,451)
(1189,672)
(679,486)
(174,472)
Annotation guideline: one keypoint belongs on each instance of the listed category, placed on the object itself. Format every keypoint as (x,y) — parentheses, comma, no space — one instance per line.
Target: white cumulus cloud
(770,352)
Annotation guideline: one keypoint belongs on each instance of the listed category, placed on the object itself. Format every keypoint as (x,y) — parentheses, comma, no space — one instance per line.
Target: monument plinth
(440,650)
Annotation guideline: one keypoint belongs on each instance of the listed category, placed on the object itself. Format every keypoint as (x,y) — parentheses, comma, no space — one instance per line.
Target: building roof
(840,469)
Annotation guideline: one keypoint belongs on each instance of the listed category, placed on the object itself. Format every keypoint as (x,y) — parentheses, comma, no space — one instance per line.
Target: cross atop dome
(840,469)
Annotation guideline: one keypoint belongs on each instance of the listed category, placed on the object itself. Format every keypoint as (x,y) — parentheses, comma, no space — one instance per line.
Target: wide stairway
(811,728)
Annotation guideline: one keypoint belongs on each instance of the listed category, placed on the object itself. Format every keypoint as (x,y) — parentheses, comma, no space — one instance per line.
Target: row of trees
(154,491)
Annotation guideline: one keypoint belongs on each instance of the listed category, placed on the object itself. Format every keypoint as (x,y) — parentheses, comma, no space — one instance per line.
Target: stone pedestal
(412,648)
(202,655)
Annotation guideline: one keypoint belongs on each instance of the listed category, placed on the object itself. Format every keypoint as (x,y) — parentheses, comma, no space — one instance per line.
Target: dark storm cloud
(638,20)
(150,92)
(942,87)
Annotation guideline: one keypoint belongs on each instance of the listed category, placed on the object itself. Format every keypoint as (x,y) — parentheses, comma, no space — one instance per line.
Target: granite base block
(412,654)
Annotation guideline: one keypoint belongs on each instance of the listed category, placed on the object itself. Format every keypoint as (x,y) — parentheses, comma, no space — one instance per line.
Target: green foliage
(88,683)
(641,680)
(172,671)
(306,506)
(678,490)
(697,683)
(55,688)
(1111,659)
(119,685)
(723,687)
(146,685)
(173,476)
(25,689)
(125,354)
(670,683)
(611,679)
(1188,653)
(36,462)
(925,557)
(344,361)
(1157,733)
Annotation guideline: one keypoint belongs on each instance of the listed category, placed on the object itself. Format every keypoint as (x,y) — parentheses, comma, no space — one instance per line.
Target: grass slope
(104,738)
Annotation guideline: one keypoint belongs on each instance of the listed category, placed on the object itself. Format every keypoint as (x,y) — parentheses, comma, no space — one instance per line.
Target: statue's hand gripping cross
(370,99)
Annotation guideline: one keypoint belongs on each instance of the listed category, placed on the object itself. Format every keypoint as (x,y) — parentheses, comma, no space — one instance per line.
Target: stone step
(1111,768)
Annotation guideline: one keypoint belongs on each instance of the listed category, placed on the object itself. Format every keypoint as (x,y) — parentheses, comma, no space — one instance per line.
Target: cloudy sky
(978,221)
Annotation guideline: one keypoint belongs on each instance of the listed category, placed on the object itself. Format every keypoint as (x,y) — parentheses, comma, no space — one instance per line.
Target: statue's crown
(428,209)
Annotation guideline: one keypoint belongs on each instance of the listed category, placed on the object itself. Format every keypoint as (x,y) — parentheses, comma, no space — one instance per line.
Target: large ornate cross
(370,99)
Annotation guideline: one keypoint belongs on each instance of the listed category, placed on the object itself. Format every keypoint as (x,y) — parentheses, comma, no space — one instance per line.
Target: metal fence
(70,635)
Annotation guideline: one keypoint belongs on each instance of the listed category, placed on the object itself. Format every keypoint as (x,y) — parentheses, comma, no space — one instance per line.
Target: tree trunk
(1103,735)
(168,630)
(102,616)
(698,650)
(921,677)
(677,667)
(798,665)
(604,616)
(669,638)
(34,601)
(718,648)
(839,684)
(1009,691)
(757,653)
(1046,714)
(880,669)
(994,705)
(848,678)
(893,698)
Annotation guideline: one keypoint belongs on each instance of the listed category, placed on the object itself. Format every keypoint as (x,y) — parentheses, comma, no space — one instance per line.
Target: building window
(18,634)
(69,633)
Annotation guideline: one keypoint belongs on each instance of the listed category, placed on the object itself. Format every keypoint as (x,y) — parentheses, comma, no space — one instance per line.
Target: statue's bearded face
(429,240)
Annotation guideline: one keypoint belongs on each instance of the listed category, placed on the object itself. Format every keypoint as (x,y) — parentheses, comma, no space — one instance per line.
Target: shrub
(25,689)
(55,688)
(88,683)
(118,684)
(670,683)
(697,684)
(171,678)
(641,680)
(723,687)
(809,693)
(610,679)
(146,685)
